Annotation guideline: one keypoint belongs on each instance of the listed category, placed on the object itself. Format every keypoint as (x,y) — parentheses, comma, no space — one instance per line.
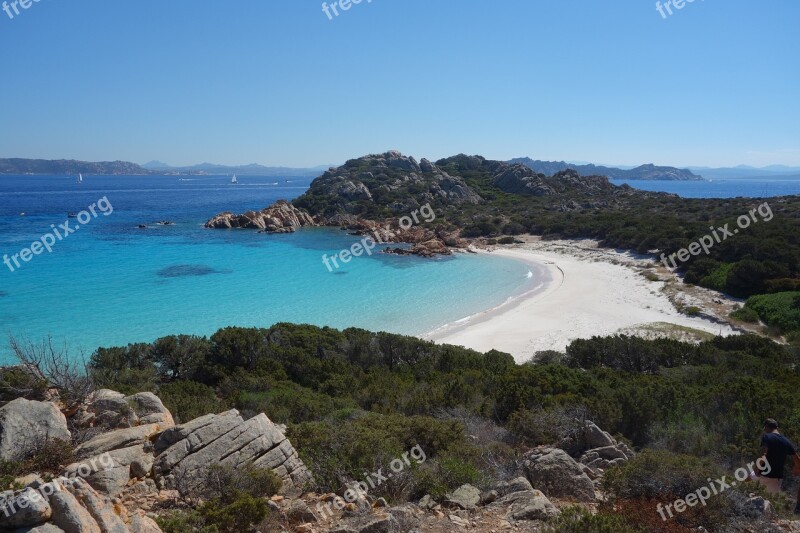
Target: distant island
(70,167)
(17,166)
(648,172)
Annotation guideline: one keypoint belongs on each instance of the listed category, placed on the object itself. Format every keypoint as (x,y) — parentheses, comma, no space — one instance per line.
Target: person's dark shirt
(778,449)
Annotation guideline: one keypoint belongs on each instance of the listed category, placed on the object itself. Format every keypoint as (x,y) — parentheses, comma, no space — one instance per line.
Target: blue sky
(276,82)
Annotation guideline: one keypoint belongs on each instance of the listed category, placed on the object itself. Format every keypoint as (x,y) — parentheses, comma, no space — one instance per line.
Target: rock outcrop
(185,451)
(25,425)
(68,505)
(111,460)
(370,179)
(555,473)
(596,448)
(112,409)
(281,217)
(519,179)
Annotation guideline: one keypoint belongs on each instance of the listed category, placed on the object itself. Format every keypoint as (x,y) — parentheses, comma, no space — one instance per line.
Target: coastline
(592,292)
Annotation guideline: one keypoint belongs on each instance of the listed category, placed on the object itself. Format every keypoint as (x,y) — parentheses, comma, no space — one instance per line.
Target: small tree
(55,366)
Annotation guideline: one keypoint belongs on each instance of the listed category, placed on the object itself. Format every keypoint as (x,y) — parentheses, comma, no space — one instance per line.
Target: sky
(279,82)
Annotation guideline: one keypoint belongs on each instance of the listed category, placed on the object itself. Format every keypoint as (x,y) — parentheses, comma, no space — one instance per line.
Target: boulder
(519,484)
(108,517)
(44,528)
(535,507)
(298,512)
(112,471)
(23,508)
(465,497)
(763,507)
(117,439)
(353,493)
(70,515)
(71,506)
(557,474)
(25,425)
(150,410)
(184,452)
(113,409)
(141,523)
(427,502)
(594,437)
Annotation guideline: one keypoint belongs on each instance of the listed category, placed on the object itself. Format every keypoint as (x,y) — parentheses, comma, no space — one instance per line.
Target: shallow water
(111,283)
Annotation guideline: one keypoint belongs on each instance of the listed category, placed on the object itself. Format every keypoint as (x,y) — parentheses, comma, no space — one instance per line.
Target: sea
(111,283)
(756,187)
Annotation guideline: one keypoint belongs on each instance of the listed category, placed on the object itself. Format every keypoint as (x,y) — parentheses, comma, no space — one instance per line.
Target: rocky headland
(376,194)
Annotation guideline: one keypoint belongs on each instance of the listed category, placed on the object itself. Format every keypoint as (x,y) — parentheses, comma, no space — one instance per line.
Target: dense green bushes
(781,310)
(354,401)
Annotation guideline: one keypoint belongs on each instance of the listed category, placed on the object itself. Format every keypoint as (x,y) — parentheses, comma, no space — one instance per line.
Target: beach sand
(593,292)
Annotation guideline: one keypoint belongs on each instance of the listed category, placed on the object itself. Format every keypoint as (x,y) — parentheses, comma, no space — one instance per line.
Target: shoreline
(591,292)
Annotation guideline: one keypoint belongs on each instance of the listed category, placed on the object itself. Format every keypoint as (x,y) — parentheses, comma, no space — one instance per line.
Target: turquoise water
(111,283)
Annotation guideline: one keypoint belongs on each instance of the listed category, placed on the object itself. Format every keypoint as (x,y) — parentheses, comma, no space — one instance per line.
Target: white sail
(80,178)
(234,180)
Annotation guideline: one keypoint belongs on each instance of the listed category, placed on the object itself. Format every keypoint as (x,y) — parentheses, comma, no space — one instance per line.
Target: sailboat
(80,179)
(234,180)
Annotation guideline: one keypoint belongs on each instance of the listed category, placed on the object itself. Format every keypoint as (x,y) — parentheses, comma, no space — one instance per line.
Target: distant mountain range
(71,167)
(643,172)
(242,170)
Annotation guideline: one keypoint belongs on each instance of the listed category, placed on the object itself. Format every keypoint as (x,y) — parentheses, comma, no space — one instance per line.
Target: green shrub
(185,522)
(187,400)
(653,474)
(225,484)
(16,382)
(746,314)
(241,514)
(778,310)
(579,520)
(50,458)
(338,450)
(446,473)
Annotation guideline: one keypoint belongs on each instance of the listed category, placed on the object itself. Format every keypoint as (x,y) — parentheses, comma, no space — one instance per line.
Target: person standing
(775,448)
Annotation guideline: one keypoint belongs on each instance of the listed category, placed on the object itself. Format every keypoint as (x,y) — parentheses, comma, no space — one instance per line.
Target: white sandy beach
(592,293)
